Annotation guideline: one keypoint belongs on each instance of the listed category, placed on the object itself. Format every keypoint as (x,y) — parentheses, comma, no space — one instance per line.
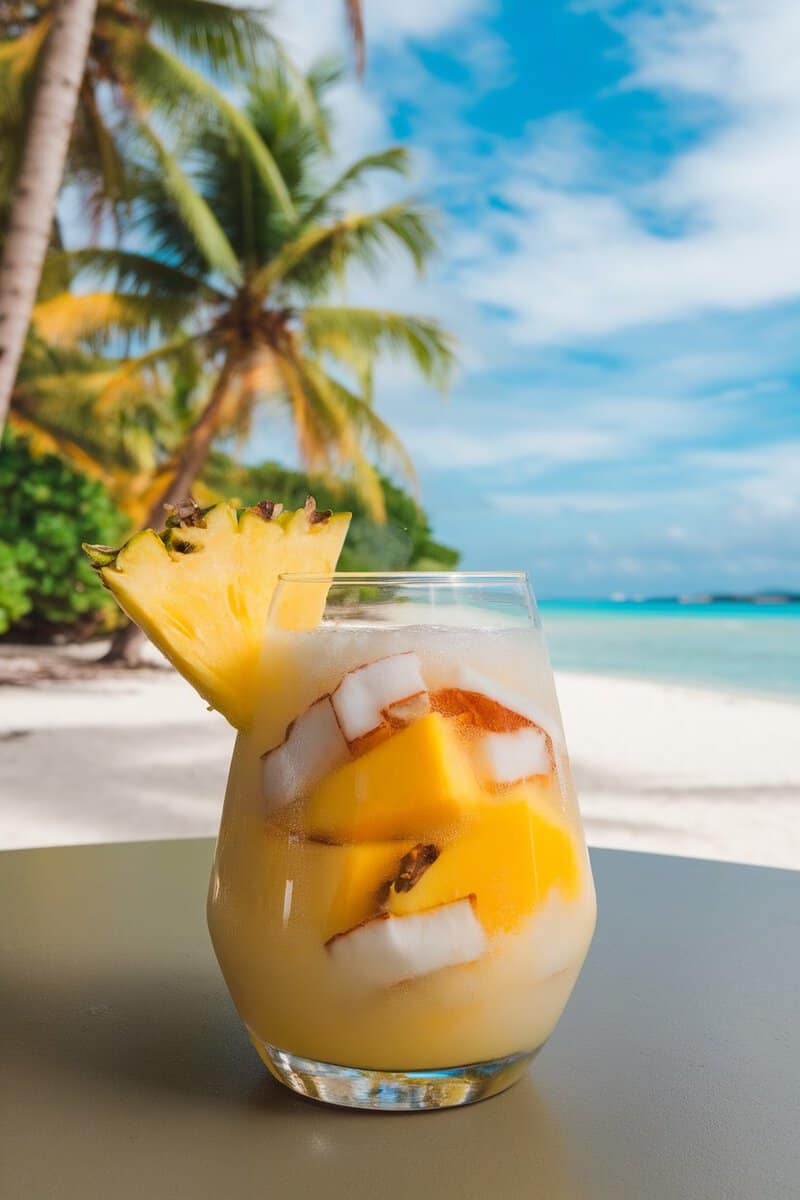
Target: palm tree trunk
(126,646)
(41,169)
(355,19)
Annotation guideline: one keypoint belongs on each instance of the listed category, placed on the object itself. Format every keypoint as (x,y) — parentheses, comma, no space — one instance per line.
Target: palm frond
(44,440)
(323,73)
(307,443)
(258,378)
(259,374)
(74,391)
(395,159)
(342,409)
(68,416)
(106,167)
(117,382)
(367,427)
(60,392)
(339,330)
(367,482)
(137,495)
(308,89)
(195,213)
(359,237)
(353,462)
(166,83)
(136,274)
(357,360)
(321,429)
(95,319)
(18,58)
(225,37)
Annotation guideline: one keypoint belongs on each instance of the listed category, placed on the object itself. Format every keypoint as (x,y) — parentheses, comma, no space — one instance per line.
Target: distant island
(755,598)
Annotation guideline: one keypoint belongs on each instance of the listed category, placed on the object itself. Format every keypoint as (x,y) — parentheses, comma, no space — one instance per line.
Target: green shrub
(404,543)
(14,602)
(47,509)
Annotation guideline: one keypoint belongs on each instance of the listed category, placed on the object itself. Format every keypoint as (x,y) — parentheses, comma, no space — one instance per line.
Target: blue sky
(620,261)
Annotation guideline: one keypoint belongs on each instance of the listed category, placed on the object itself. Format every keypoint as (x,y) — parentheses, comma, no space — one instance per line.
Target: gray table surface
(674,1072)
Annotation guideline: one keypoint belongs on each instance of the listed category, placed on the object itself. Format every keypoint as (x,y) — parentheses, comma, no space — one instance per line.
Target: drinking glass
(401,898)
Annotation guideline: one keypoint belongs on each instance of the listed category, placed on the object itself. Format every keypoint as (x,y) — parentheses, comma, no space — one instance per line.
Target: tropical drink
(401,899)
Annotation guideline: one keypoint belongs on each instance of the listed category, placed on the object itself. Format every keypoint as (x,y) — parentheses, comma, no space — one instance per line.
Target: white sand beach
(659,767)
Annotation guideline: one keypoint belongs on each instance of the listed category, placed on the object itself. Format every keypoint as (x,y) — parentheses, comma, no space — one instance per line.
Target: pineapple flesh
(201,590)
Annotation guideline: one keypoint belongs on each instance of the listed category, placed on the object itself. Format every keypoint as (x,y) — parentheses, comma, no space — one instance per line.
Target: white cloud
(718,48)
(743,494)
(566,427)
(387,20)
(763,482)
(557,504)
(359,122)
(579,255)
(563,234)
(451,449)
(310,30)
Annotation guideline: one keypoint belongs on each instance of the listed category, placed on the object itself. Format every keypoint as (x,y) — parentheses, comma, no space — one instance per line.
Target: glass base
(392,1091)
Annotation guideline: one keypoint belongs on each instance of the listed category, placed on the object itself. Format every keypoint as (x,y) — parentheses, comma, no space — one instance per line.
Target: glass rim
(407,578)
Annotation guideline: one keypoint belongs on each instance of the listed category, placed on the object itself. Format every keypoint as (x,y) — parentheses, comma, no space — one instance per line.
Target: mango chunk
(417,782)
(326,889)
(509,856)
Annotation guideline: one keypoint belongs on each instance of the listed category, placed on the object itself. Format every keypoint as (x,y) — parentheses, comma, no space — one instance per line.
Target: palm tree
(95,69)
(122,443)
(262,325)
(39,178)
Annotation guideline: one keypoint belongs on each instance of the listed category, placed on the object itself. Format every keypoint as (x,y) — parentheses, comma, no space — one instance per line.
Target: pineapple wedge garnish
(201,589)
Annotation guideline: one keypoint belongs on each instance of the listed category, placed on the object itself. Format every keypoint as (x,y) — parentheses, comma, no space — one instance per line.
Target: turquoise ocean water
(733,646)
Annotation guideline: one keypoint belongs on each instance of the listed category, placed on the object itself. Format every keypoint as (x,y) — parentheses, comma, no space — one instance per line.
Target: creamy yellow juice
(418,847)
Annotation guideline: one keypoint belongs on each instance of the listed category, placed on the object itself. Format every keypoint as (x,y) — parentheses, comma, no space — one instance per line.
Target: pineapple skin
(202,592)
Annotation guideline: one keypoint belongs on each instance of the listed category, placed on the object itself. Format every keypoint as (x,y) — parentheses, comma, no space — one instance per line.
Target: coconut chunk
(493,705)
(387,950)
(403,712)
(313,746)
(559,936)
(511,757)
(364,695)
